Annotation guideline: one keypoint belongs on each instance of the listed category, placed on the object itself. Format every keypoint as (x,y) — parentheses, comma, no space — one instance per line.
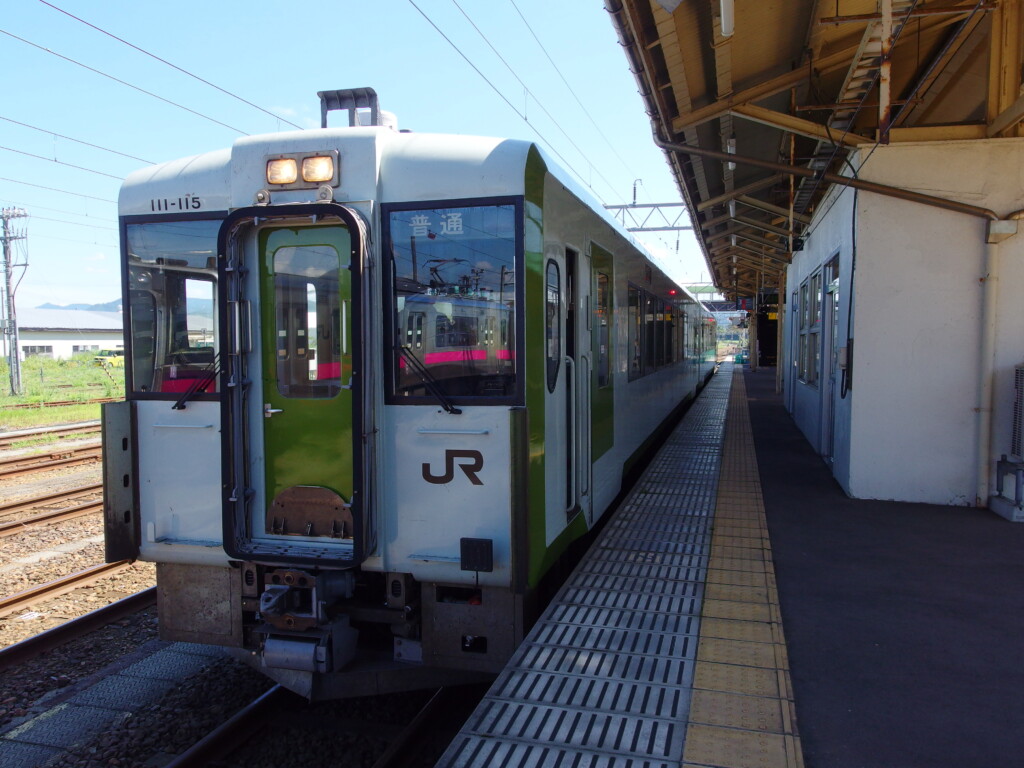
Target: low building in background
(62,333)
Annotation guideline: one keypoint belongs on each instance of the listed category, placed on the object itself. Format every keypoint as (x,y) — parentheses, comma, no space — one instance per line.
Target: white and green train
(378,383)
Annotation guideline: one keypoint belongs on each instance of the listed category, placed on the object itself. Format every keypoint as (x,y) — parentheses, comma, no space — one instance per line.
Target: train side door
(306,320)
(578,383)
(567,409)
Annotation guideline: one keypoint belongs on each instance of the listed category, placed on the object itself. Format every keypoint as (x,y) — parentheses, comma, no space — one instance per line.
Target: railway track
(28,649)
(48,518)
(21,505)
(7,439)
(57,403)
(60,586)
(42,462)
(404,749)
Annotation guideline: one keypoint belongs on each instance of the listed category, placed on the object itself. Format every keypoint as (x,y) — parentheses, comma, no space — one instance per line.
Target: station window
(37,351)
(809,352)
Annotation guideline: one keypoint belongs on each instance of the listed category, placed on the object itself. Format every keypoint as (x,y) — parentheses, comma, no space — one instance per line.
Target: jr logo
(470,462)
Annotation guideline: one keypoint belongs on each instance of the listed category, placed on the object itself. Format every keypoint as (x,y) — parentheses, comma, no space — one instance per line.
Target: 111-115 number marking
(188,203)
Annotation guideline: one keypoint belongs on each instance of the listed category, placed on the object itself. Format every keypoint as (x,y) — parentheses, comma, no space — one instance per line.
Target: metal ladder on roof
(869,66)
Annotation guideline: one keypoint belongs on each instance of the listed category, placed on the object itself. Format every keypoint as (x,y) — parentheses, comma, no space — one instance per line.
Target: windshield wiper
(199,385)
(431,383)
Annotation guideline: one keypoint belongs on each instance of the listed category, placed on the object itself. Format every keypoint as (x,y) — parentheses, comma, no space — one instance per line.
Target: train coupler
(323,649)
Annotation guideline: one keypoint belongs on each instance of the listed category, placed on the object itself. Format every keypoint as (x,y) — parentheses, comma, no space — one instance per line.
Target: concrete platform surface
(905,622)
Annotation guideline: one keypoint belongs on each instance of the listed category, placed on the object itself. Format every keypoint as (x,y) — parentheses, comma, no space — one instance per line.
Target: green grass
(45,380)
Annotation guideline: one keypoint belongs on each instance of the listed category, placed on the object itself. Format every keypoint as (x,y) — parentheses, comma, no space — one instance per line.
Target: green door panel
(306,321)
(602,413)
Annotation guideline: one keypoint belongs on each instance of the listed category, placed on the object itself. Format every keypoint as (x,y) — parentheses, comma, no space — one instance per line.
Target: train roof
(377,163)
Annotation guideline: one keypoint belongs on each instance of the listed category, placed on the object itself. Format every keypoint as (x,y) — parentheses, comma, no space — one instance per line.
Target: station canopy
(798,85)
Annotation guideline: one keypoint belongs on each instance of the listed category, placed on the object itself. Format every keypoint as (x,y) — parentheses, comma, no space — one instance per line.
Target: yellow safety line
(742,713)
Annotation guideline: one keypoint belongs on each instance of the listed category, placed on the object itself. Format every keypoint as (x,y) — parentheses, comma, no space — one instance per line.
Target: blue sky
(574,88)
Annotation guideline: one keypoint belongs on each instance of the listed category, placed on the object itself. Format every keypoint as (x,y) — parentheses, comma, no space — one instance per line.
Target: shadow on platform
(905,622)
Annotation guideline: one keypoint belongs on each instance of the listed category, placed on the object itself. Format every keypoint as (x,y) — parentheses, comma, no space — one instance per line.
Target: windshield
(172,271)
(454,300)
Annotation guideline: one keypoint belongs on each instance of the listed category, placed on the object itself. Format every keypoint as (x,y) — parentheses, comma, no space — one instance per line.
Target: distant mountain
(110,306)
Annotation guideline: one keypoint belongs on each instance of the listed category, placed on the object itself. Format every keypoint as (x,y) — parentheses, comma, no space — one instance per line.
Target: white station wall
(917,328)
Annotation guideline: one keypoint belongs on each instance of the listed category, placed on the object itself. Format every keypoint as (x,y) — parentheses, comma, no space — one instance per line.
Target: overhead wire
(55,189)
(122,82)
(77,141)
(73,223)
(60,162)
(530,93)
(34,207)
(171,65)
(501,95)
(70,240)
(571,90)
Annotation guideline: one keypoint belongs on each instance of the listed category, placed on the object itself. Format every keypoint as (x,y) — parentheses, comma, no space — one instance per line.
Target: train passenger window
(652,328)
(669,334)
(453,285)
(553,323)
(171,313)
(635,347)
(603,312)
(681,345)
(414,330)
(456,331)
(307,300)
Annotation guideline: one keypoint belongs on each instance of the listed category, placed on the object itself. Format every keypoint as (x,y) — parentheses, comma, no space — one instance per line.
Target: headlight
(318,168)
(283,171)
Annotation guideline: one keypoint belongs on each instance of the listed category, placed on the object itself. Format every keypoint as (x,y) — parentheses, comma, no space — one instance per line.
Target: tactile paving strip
(741,712)
(605,678)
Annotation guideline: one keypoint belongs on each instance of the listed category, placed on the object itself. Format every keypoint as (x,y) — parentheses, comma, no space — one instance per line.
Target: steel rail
(50,498)
(60,431)
(31,647)
(230,734)
(47,518)
(27,465)
(404,746)
(57,403)
(9,605)
(60,453)
(234,732)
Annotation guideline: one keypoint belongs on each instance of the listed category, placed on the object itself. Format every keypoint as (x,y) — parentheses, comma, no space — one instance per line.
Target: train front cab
(266,447)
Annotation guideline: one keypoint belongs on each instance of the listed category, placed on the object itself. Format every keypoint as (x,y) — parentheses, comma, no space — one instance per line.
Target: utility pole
(10,314)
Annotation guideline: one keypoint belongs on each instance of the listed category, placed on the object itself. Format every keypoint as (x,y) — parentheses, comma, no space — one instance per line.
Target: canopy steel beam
(747,189)
(761,205)
(799,126)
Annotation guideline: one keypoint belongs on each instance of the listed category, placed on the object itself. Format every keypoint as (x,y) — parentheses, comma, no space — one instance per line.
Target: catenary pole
(10,314)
